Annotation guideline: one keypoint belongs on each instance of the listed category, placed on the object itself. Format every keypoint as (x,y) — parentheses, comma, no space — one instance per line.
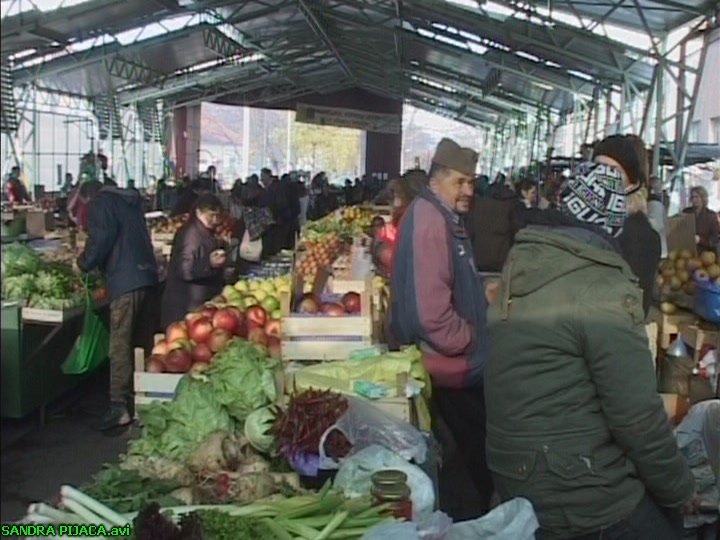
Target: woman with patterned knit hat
(574,421)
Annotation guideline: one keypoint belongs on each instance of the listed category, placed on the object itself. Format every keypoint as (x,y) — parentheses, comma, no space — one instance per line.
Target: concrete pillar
(187,139)
(383,153)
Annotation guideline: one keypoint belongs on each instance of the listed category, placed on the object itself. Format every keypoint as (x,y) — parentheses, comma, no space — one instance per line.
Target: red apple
(226,320)
(176,332)
(308,304)
(257,335)
(200,330)
(202,353)
(333,310)
(351,302)
(256,316)
(179,345)
(273,328)
(192,317)
(219,339)
(178,361)
(160,348)
(239,314)
(208,311)
(274,347)
(155,364)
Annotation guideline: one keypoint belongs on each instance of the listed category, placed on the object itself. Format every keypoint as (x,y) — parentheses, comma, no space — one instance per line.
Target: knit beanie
(597,198)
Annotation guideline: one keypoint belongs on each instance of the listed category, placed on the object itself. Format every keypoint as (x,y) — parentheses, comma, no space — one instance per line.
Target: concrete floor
(36,460)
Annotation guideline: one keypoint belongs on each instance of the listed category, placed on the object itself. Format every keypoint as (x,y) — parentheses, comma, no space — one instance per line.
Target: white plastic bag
(363,425)
(698,437)
(513,520)
(433,527)
(355,472)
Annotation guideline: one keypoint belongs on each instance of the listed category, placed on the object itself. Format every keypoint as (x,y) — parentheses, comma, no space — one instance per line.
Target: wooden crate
(698,335)
(670,325)
(151,387)
(398,407)
(325,338)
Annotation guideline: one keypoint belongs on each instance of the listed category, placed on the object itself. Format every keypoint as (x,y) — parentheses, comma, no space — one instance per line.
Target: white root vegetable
(69,492)
(58,516)
(87,515)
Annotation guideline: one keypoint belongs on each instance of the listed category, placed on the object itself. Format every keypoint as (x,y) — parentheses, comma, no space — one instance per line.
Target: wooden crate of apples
(319,253)
(678,274)
(249,309)
(326,326)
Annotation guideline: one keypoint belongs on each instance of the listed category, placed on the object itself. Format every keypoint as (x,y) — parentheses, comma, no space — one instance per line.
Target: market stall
(42,316)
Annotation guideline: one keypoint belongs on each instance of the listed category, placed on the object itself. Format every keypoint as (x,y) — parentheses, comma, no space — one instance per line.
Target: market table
(33,350)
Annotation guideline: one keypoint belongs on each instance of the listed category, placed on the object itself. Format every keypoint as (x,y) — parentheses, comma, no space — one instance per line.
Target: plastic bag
(434,527)
(364,425)
(92,346)
(353,478)
(698,437)
(513,520)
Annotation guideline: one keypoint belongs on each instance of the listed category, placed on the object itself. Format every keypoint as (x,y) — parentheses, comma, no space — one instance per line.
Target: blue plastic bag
(707,301)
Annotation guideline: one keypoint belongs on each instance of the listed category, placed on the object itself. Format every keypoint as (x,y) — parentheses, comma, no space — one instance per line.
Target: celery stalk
(277,530)
(332,526)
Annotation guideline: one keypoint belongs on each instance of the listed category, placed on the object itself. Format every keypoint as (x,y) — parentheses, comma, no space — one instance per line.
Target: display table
(32,355)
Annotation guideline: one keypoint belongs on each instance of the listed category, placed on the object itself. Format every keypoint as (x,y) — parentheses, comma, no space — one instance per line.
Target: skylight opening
(527,56)
(8,9)
(477,49)
(550,63)
(165,26)
(22,54)
(237,59)
(433,84)
(542,85)
(451,41)
(581,75)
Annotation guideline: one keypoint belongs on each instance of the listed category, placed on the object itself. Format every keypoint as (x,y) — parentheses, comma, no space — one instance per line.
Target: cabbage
(173,430)
(243,379)
(258,429)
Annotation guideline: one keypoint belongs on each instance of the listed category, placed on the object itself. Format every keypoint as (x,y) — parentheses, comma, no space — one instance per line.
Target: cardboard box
(39,222)
(681,233)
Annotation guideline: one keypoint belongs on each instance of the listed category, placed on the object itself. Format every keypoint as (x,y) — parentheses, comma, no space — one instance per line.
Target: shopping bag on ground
(92,346)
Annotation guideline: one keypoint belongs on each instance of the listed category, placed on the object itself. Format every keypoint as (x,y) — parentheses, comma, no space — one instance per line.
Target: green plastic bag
(92,346)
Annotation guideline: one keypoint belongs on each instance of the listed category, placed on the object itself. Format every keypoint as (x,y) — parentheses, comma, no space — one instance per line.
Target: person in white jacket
(657,213)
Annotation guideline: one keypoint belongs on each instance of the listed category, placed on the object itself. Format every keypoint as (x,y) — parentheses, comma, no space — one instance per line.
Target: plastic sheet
(365,425)
(514,520)
(354,480)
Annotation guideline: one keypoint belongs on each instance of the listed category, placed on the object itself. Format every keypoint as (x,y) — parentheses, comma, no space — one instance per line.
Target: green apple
(250,301)
(270,303)
(276,315)
(241,286)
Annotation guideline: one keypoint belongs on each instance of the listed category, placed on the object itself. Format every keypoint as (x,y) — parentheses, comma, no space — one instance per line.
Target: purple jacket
(437,296)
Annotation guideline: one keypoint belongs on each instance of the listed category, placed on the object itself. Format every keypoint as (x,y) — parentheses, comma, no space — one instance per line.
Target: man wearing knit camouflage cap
(438,303)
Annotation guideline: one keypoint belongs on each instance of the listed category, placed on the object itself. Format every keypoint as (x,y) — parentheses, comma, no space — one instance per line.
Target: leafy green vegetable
(221,526)
(258,429)
(174,429)
(243,379)
(20,259)
(127,491)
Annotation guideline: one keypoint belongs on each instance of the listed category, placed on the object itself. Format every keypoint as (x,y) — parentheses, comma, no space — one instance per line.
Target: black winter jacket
(492,223)
(191,281)
(119,242)
(641,249)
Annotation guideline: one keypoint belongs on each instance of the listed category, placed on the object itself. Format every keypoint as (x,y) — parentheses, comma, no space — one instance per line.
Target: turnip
(220,451)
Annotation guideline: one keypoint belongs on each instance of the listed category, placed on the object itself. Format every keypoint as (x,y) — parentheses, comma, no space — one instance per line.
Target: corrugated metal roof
(480,62)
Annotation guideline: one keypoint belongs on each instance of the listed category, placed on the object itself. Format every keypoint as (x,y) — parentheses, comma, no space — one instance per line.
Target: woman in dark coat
(195,271)
(707,229)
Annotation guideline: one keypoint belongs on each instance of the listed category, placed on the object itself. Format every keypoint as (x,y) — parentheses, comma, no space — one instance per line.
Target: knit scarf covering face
(597,198)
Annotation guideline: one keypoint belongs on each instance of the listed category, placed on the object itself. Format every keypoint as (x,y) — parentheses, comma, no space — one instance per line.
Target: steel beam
(319,30)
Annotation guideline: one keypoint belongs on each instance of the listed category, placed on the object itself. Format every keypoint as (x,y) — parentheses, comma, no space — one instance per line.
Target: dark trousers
(125,312)
(463,413)
(647,522)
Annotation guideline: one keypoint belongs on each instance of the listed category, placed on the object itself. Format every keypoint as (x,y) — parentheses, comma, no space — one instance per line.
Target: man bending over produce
(119,245)
(438,303)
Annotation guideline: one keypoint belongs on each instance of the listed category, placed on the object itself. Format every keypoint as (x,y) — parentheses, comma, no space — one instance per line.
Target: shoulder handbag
(250,250)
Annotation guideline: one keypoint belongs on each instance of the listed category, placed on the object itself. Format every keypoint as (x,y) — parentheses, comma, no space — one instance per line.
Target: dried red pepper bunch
(308,416)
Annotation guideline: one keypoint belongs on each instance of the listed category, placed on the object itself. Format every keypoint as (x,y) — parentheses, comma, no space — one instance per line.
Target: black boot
(116,416)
